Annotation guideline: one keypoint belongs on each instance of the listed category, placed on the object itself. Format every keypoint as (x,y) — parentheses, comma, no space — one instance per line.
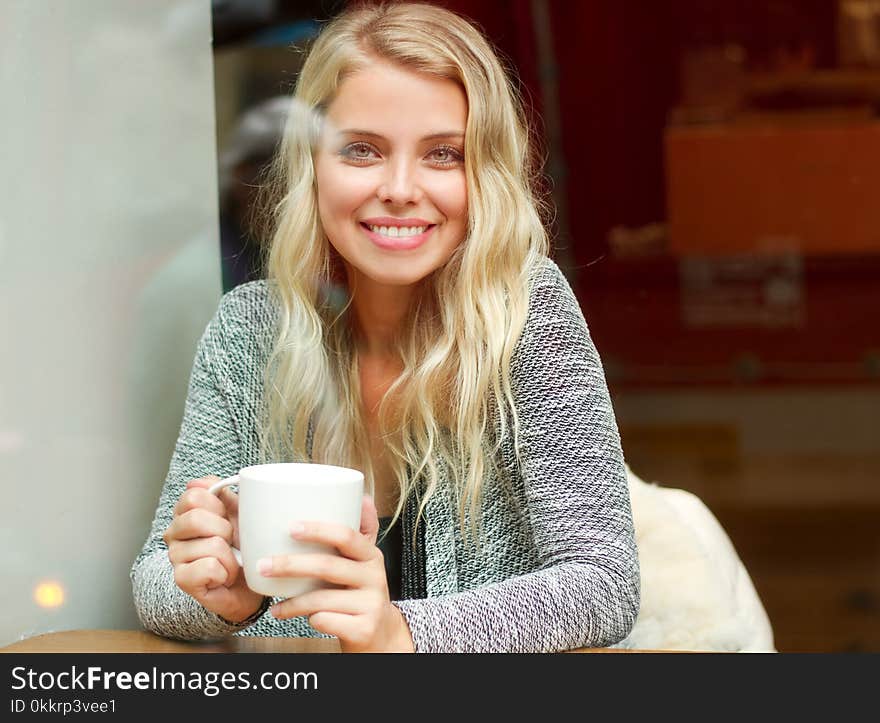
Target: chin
(397,277)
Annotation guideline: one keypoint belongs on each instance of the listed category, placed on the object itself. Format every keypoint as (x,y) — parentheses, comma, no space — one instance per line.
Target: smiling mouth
(398,231)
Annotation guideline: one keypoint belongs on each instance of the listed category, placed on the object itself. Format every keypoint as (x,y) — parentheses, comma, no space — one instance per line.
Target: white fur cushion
(696,593)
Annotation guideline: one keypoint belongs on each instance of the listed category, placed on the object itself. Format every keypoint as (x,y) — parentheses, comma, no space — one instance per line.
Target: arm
(586,593)
(208,444)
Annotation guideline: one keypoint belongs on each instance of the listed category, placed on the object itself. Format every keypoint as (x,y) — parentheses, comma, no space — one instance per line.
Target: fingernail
(297,528)
(275,610)
(264,566)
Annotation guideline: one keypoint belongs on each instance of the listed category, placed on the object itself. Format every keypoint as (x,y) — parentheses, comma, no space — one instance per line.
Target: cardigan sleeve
(585,592)
(208,443)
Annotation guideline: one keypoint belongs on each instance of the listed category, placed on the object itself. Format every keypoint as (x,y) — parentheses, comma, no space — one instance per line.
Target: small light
(49,594)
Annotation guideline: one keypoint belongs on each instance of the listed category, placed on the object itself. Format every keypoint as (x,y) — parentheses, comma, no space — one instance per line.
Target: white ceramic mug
(273,496)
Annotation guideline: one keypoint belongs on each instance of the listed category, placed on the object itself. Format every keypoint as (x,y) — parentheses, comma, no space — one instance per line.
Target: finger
(229,499)
(350,544)
(197,577)
(330,568)
(348,628)
(369,519)
(197,497)
(203,482)
(230,502)
(351,602)
(198,523)
(181,553)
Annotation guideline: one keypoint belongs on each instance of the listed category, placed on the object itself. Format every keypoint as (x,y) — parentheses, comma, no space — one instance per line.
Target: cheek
(340,193)
(450,195)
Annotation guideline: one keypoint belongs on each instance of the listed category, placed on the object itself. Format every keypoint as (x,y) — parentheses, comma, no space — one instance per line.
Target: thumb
(203,482)
(369,518)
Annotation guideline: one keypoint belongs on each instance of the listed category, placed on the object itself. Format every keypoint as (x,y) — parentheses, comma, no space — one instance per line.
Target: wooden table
(139,641)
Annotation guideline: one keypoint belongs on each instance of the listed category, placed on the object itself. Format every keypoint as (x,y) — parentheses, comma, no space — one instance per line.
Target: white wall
(109,270)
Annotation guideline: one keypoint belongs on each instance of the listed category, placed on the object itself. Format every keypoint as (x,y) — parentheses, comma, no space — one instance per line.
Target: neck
(379,311)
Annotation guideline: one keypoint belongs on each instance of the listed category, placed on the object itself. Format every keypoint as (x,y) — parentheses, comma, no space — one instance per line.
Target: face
(392,195)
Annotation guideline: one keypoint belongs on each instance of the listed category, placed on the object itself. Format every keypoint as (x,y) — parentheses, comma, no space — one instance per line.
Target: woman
(459,375)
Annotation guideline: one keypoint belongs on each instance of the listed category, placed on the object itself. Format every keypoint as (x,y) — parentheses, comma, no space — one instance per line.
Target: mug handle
(214,489)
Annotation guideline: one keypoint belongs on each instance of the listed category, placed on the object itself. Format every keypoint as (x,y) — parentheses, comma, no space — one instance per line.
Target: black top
(404,550)
(391,545)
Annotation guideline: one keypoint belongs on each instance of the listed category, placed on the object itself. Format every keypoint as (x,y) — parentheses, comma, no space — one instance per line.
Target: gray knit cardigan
(556,567)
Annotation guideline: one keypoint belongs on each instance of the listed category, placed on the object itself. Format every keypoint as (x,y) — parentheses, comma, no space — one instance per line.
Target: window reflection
(715,166)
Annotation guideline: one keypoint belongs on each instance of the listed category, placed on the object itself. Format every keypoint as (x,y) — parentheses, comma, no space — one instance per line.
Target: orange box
(770,186)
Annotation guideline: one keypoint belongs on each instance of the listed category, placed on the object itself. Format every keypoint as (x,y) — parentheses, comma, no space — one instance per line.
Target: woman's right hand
(200,539)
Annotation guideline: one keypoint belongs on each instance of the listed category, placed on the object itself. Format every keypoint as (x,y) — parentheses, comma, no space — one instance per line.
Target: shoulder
(546,273)
(250,308)
(246,318)
(247,303)
(551,296)
(555,332)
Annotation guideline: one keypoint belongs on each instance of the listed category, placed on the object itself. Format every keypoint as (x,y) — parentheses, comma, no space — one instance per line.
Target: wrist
(403,641)
(246,615)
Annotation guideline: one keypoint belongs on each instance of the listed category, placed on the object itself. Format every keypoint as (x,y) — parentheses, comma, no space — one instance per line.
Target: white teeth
(398,231)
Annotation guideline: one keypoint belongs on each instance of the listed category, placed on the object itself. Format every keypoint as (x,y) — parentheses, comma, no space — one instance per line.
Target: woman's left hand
(360,614)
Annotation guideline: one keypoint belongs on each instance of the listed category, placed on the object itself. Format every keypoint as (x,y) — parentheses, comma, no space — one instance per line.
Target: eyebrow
(430,137)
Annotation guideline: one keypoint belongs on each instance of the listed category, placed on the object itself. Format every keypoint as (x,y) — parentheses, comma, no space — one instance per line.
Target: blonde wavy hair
(460,332)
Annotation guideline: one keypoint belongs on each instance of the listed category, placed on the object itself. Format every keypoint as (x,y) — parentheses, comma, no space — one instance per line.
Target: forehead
(387,98)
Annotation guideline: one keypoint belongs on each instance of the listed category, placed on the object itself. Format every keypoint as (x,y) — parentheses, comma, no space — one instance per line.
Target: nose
(400,184)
